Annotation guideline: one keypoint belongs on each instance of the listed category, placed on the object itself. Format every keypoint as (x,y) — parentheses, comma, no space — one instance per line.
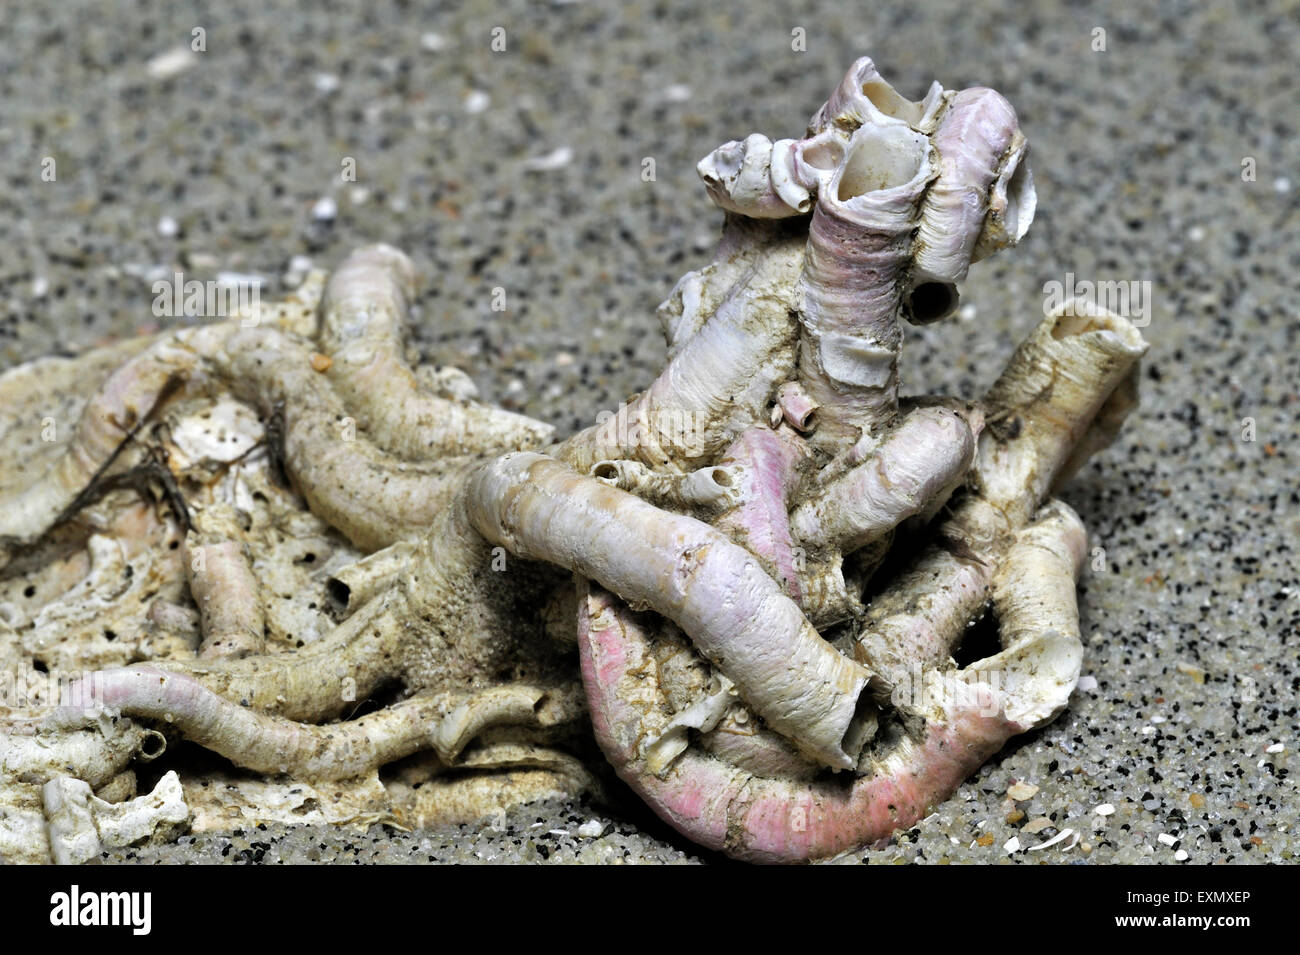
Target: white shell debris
(171,63)
(1166,839)
(1276,748)
(298,268)
(1011,846)
(1059,837)
(81,825)
(557,158)
(1105,809)
(222,433)
(592,829)
(476,101)
(1020,791)
(247,279)
(325,209)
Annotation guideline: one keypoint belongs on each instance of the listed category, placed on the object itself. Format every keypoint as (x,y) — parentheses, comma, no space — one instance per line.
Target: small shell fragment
(556,159)
(1020,791)
(171,63)
(591,829)
(1059,837)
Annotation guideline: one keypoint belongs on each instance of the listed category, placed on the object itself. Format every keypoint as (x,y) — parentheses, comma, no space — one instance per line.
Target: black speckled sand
(1185,724)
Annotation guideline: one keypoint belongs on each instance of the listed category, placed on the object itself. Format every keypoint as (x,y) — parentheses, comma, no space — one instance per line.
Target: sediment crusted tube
(758,819)
(223,586)
(859,247)
(120,405)
(1056,383)
(1048,398)
(363,331)
(125,399)
(321,680)
(271,744)
(40,402)
(1035,599)
(443,593)
(719,382)
(921,460)
(698,294)
(94,750)
(717,592)
(373,498)
(357,583)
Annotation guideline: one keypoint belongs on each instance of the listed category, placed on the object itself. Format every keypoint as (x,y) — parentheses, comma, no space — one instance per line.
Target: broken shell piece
(664,746)
(81,825)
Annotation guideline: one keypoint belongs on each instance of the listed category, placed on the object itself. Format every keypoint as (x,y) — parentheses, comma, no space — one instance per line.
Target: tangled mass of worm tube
(381,599)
